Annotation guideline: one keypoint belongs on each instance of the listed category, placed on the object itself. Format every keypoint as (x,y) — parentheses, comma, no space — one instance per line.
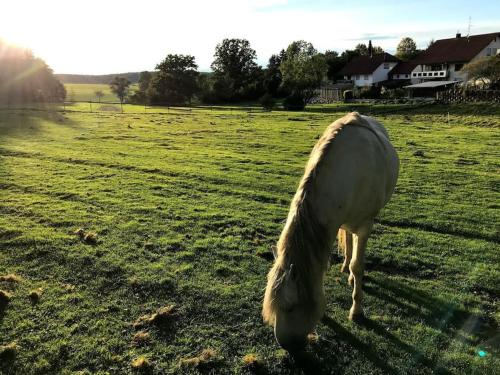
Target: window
(407,76)
(458,67)
(386,65)
(441,73)
(436,73)
(366,77)
(488,51)
(424,74)
(358,77)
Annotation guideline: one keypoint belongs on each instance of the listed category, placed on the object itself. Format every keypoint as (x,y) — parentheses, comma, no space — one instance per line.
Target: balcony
(431,74)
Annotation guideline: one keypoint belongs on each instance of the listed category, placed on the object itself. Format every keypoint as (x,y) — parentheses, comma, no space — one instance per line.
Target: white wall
(366,80)
(380,74)
(361,81)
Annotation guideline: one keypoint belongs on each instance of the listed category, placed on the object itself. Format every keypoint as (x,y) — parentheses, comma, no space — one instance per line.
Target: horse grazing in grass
(350,176)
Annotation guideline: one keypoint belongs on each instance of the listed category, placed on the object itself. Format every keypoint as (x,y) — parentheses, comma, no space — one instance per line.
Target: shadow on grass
(434,312)
(455,323)
(20,122)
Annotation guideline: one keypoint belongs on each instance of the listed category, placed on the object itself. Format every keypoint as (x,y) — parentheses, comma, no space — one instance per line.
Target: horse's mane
(305,242)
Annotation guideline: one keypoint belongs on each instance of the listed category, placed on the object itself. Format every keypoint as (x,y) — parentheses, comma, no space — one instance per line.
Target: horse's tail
(341,241)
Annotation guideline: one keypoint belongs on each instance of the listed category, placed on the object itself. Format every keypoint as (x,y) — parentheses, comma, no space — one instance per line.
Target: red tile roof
(366,64)
(462,49)
(404,67)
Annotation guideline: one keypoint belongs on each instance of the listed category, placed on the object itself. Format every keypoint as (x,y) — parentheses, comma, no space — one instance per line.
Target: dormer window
(386,65)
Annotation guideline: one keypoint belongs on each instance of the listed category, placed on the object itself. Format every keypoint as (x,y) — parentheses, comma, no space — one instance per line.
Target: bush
(397,93)
(371,92)
(267,101)
(294,102)
(348,95)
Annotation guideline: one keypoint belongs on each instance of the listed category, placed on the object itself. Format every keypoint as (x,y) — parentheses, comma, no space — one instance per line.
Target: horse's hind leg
(357,268)
(346,238)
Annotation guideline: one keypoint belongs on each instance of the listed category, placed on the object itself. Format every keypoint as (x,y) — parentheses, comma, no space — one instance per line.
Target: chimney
(458,35)
(370,49)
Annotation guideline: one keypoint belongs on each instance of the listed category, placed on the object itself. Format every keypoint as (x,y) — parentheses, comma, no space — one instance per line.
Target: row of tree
(292,74)
(26,78)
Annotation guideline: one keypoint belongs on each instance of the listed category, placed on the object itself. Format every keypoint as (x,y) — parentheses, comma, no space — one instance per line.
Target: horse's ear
(274,249)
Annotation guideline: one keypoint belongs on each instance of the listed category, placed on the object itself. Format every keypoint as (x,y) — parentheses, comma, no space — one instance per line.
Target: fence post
(90,102)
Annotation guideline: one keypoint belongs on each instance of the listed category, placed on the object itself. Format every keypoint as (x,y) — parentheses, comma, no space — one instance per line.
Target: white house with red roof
(367,70)
(445,58)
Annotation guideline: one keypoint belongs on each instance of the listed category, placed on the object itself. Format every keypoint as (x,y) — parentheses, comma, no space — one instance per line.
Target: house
(445,58)
(368,70)
(403,70)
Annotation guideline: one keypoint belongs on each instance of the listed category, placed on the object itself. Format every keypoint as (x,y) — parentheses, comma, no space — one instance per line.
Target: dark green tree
(140,95)
(236,72)
(406,49)
(144,80)
(120,87)
(176,80)
(361,48)
(303,69)
(25,78)
(98,94)
(335,63)
(272,74)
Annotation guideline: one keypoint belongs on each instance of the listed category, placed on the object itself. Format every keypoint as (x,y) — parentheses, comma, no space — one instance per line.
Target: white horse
(350,176)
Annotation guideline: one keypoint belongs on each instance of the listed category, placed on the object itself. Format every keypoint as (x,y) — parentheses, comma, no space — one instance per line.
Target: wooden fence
(327,95)
(457,95)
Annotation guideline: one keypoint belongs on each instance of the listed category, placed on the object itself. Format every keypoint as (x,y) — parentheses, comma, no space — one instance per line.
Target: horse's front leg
(357,268)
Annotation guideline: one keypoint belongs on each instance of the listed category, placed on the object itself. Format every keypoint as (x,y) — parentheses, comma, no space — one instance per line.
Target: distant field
(187,204)
(86,92)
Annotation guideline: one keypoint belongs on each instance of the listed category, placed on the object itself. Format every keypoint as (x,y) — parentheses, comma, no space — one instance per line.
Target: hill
(103,79)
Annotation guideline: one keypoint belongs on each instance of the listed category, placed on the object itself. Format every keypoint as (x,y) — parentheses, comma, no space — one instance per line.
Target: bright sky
(113,36)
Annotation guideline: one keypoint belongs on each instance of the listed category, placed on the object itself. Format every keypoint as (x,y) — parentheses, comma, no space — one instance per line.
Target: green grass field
(84,92)
(186,205)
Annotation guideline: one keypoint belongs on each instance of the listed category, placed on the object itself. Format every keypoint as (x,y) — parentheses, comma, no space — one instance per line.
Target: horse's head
(294,303)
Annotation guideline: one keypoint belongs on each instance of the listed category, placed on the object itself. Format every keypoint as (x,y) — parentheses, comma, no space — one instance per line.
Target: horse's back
(358,173)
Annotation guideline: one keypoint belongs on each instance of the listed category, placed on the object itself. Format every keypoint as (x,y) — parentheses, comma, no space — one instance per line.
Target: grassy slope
(183,202)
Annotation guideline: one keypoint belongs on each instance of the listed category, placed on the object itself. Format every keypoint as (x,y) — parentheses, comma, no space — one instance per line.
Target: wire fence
(126,108)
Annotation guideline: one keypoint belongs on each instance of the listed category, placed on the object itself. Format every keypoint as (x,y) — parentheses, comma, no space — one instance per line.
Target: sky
(114,36)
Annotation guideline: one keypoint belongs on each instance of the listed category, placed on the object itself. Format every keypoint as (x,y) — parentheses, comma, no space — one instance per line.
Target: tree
(25,78)
(236,73)
(176,80)
(144,80)
(272,74)
(431,42)
(99,94)
(486,70)
(335,63)
(120,86)
(140,95)
(303,69)
(361,48)
(406,49)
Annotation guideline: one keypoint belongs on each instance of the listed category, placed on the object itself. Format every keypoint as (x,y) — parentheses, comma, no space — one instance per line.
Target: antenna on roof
(468,29)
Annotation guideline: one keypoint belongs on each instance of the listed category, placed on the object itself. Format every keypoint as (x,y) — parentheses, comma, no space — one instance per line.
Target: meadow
(82,92)
(140,242)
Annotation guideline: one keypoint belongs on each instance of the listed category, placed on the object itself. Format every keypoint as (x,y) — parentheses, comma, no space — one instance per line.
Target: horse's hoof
(356,317)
